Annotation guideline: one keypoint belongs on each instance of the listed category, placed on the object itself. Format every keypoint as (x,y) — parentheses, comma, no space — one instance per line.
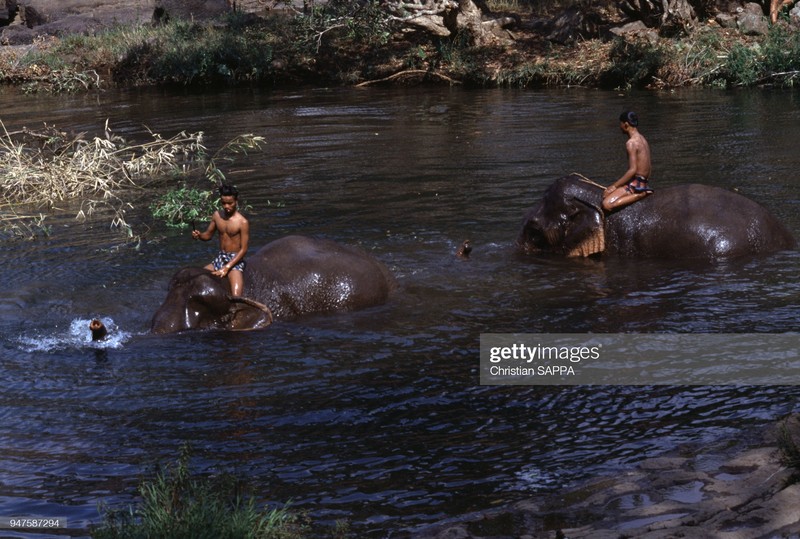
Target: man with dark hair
(234,235)
(633,185)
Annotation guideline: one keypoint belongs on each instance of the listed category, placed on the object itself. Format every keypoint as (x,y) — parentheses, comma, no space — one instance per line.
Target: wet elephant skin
(292,276)
(688,221)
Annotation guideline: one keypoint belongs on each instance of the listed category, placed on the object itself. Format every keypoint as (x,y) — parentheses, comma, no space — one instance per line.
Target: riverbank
(725,493)
(283,47)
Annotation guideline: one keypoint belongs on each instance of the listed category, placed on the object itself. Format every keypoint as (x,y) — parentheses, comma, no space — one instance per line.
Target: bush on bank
(710,57)
(177,505)
(107,175)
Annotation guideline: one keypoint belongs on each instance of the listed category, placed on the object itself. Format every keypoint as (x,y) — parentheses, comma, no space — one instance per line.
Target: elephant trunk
(596,243)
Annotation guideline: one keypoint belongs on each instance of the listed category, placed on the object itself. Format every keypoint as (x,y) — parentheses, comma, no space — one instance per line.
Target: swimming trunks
(223,258)
(638,185)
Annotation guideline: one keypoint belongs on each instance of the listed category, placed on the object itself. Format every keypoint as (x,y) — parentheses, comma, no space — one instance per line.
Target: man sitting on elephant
(633,185)
(234,235)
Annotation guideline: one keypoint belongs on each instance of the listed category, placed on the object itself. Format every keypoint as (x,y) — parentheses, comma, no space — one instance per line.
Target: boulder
(567,27)
(679,18)
(794,16)
(751,24)
(734,491)
(726,20)
(37,12)
(193,9)
(635,29)
(17,34)
(753,8)
(61,17)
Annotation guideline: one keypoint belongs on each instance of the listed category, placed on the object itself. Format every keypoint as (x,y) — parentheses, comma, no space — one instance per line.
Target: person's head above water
(630,117)
(226,190)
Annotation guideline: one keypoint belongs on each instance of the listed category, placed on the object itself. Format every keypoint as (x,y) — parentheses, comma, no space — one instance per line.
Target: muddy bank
(740,494)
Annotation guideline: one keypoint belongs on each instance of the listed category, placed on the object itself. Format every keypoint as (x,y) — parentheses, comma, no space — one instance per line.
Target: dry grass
(43,168)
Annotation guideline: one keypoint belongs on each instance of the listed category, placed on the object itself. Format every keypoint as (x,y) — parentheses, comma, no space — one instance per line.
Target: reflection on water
(377,416)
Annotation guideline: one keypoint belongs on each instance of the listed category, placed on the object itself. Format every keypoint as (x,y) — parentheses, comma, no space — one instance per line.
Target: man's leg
(609,202)
(237,282)
(612,203)
(775,7)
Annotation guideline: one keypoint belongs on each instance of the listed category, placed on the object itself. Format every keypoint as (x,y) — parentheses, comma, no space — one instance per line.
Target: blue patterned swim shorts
(223,258)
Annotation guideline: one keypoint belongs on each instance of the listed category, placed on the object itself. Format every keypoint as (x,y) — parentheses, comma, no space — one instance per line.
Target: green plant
(364,23)
(454,53)
(43,168)
(24,227)
(176,505)
(782,55)
(184,206)
(693,61)
(633,63)
(790,453)
(240,144)
(743,65)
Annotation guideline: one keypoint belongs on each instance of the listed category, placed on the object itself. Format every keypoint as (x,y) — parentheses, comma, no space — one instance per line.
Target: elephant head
(197,299)
(568,221)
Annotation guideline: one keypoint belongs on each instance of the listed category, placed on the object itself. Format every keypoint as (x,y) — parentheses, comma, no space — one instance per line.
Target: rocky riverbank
(275,43)
(23,21)
(704,494)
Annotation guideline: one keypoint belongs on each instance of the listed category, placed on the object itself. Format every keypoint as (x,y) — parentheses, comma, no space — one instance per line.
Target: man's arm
(209,233)
(633,150)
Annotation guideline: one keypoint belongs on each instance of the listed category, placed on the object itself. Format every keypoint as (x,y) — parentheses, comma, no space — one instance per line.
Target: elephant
(687,221)
(287,278)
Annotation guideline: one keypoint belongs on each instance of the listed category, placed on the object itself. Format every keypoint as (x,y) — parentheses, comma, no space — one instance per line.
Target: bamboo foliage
(42,168)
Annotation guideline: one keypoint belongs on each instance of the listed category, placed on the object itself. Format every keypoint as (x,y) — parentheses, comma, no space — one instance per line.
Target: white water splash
(533,478)
(77,335)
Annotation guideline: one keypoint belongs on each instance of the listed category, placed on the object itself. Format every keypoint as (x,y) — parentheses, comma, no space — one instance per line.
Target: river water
(377,417)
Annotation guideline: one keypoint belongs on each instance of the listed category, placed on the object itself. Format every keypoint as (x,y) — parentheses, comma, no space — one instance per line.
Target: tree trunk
(679,17)
(467,20)
(447,18)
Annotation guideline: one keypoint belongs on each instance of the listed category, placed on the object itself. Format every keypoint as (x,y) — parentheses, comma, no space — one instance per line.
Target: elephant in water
(689,221)
(288,277)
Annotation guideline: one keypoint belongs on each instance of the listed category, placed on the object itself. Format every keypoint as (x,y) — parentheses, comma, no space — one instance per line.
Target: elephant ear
(245,314)
(594,241)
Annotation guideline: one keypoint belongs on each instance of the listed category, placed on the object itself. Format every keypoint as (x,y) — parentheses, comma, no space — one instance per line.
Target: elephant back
(695,221)
(297,275)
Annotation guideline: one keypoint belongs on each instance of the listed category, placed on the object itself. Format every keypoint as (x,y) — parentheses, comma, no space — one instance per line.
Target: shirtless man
(234,235)
(632,186)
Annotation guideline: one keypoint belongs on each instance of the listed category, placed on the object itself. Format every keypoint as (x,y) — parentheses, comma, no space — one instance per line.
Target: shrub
(790,453)
(182,207)
(45,167)
(633,63)
(176,505)
(742,67)
(782,54)
(363,23)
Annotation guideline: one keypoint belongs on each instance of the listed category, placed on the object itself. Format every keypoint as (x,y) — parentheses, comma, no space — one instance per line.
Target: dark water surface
(377,417)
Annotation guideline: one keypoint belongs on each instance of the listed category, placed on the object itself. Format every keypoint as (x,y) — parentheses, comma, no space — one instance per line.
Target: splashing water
(77,336)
